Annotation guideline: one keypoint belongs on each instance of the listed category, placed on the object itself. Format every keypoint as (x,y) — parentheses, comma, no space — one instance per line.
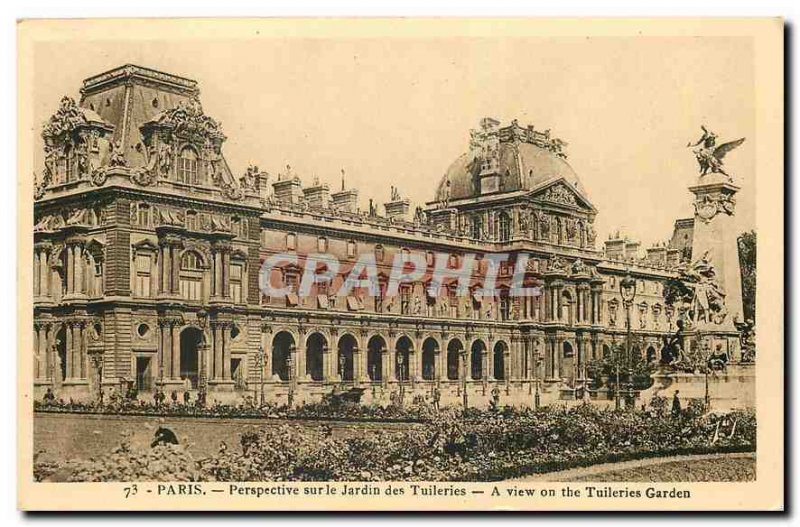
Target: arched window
(187,166)
(503,227)
(191,278)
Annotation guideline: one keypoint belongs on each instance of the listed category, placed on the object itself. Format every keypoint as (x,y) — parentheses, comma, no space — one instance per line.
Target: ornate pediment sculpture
(559,193)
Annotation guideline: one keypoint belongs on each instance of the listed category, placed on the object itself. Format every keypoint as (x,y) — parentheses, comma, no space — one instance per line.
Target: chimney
(346,200)
(443,219)
(657,255)
(397,210)
(318,196)
(631,250)
(288,187)
(673,257)
(615,248)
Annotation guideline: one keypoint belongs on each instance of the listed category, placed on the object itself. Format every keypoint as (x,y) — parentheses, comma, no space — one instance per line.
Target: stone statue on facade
(116,157)
(709,155)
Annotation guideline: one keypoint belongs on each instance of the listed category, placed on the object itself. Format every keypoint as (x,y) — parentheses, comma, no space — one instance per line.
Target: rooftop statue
(709,155)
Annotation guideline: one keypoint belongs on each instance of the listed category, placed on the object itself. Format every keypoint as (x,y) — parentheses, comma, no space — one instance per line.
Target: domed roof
(521,165)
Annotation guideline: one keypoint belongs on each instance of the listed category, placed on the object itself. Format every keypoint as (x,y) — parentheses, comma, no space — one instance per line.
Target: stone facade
(148,249)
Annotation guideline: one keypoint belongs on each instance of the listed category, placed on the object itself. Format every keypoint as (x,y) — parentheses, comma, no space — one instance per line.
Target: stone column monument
(715,269)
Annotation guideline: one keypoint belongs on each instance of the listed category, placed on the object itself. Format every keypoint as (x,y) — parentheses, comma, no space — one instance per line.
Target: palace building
(147,251)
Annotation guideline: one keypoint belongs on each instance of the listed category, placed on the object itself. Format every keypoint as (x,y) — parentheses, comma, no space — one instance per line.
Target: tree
(747,263)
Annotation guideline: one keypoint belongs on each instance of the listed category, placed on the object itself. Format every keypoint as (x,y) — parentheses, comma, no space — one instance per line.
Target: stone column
(44,273)
(438,355)
(488,364)
(226,272)
(326,361)
(175,367)
(42,350)
(385,367)
(175,257)
(226,352)
(164,260)
(217,371)
(69,272)
(78,269)
(218,291)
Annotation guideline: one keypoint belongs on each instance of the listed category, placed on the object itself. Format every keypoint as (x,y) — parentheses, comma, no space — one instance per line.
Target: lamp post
(627,289)
(290,374)
(261,363)
(341,369)
(400,376)
(202,381)
(463,355)
(536,395)
(97,366)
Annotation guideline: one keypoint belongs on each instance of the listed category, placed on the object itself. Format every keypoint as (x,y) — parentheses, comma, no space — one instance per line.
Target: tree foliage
(747,263)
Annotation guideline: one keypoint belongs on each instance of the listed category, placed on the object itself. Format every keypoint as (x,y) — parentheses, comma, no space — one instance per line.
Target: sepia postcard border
(766,493)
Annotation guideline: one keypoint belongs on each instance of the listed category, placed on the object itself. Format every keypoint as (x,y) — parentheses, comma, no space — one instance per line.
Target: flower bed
(478,446)
(315,411)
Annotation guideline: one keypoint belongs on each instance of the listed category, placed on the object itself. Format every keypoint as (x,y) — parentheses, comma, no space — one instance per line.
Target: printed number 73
(131,491)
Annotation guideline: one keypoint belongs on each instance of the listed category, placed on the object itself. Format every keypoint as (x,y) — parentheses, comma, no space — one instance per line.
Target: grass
(720,469)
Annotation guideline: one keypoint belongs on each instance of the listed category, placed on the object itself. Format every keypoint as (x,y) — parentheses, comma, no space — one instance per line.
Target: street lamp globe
(627,288)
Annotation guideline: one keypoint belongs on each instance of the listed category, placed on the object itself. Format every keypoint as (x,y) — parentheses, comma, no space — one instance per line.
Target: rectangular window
(141,285)
(236,283)
(187,170)
(405,299)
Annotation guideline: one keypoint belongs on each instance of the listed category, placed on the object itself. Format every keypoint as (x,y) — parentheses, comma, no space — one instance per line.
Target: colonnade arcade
(353,357)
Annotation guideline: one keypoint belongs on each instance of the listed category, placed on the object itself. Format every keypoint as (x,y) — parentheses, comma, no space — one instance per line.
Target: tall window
(191,220)
(503,227)
(187,166)
(505,305)
(143,214)
(351,249)
(477,226)
(191,276)
(236,226)
(69,162)
(237,273)
(322,244)
(379,253)
(405,299)
(141,285)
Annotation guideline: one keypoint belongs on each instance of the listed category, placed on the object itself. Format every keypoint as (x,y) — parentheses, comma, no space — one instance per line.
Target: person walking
(676,405)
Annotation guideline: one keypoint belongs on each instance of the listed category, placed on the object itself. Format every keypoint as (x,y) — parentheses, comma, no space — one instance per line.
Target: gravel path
(595,470)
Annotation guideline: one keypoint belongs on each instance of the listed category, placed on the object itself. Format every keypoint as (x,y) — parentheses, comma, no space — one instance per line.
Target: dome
(520,165)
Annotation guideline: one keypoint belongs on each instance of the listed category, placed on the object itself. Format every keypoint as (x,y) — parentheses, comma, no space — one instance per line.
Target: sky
(398,111)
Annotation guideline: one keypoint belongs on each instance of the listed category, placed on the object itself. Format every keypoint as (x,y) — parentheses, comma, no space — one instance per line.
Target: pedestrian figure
(676,405)
(437,396)
(495,398)
(186,397)
(174,397)
(164,436)
(49,396)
